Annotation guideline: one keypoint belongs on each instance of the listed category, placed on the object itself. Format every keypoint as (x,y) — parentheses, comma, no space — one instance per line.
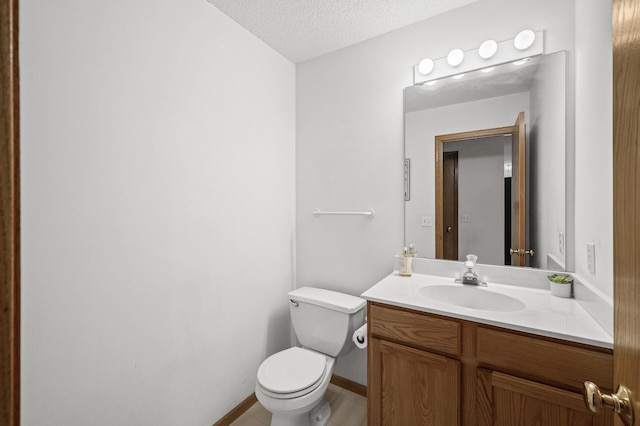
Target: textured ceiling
(304,29)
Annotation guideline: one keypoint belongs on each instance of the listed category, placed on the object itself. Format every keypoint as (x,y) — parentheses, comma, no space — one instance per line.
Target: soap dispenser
(406,260)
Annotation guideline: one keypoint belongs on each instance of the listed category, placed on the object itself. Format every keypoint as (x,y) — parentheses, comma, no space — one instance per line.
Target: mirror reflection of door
(518,212)
(480,194)
(450,205)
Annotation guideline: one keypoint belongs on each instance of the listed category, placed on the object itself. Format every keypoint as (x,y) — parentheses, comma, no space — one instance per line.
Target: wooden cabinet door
(409,387)
(505,400)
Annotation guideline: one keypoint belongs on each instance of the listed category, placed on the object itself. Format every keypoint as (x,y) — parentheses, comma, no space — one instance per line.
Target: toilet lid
(291,370)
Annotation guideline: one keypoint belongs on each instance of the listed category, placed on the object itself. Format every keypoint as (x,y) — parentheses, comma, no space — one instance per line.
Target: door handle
(620,402)
(521,252)
(449,229)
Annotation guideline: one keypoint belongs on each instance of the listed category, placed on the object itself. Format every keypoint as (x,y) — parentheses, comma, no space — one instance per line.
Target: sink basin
(472,297)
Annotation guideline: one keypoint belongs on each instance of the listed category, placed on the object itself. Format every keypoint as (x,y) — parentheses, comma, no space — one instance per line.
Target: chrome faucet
(470,276)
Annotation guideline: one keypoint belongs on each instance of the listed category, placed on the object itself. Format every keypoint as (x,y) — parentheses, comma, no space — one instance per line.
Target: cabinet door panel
(414,387)
(561,363)
(522,402)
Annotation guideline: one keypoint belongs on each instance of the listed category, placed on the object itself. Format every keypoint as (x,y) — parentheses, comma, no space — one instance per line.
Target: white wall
(594,141)
(350,138)
(158,211)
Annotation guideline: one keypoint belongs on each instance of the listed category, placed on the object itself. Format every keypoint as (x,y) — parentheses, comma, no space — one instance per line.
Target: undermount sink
(472,297)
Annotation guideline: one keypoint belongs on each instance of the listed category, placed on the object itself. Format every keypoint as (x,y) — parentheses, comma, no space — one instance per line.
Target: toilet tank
(325,320)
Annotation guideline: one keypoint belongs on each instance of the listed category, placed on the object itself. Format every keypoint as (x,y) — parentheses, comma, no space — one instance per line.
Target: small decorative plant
(560,279)
(560,284)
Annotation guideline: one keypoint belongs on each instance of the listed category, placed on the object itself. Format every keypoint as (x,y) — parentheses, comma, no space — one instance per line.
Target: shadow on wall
(278,332)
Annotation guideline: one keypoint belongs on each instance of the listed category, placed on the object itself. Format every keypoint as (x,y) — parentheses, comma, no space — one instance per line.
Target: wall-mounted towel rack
(369,213)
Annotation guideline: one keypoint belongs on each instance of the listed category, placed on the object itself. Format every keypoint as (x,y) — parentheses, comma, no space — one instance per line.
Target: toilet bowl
(291,383)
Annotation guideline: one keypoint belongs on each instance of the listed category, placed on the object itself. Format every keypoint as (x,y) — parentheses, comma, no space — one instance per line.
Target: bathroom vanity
(431,363)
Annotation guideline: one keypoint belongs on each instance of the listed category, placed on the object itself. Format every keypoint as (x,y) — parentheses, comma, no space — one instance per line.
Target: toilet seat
(292,373)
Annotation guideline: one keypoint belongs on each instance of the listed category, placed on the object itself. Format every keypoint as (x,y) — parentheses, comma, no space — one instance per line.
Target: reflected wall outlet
(427,221)
(591,258)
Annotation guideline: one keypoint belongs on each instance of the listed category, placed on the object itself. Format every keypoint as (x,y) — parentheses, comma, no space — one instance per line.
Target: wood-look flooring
(347,409)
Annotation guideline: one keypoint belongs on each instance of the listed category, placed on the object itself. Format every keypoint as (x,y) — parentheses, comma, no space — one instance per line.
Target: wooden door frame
(9,215)
(440,140)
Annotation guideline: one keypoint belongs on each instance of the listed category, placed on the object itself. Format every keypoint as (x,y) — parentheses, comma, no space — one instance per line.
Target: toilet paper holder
(360,336)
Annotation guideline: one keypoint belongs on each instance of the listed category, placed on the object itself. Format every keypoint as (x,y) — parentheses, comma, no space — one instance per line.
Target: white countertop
(544,314)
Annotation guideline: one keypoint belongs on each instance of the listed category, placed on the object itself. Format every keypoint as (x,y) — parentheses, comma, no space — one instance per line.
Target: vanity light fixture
(458,77)
(524,39)
(488,49)
(488,69)
(490,53)
(425,66)
(455,57)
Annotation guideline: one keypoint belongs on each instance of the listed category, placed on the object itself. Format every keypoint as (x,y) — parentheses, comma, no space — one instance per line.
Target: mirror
(439,117)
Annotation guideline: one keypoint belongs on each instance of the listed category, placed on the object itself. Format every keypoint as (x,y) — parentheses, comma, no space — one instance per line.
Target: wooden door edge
(439,201)
(9,215)
(626,181)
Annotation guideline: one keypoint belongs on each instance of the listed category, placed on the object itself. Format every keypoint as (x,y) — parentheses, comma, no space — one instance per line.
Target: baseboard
(232,415)
(349,385)
(239,410)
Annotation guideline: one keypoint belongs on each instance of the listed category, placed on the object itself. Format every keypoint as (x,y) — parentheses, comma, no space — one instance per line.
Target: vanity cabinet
(409,385)
(427,369)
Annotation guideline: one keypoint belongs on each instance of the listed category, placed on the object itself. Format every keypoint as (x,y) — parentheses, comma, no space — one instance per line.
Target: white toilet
(291,383)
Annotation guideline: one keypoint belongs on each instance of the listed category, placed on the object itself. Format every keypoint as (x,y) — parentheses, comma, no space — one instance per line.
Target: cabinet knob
(620,402)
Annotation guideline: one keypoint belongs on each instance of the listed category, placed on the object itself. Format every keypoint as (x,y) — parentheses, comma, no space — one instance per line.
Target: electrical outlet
(466,218)
(427,221)
(561,242)
(591,258)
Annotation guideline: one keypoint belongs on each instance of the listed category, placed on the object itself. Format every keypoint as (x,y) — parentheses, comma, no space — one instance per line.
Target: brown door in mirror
(450,205)
(518,195)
